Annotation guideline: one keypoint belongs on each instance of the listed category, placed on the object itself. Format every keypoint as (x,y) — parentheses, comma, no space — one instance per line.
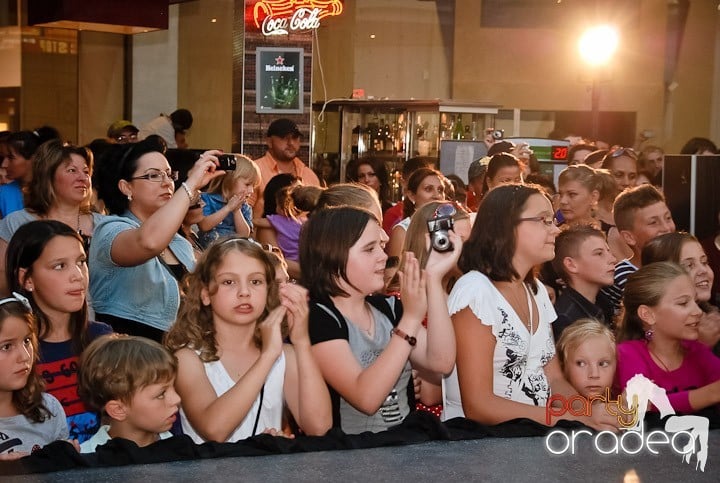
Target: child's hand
(440,263)
(75,443)
(235,202)
(277,432)
(270,332)
(412,288)
(15,455)
(294,298)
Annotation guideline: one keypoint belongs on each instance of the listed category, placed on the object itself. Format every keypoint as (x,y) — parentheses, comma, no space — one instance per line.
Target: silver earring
(129,197)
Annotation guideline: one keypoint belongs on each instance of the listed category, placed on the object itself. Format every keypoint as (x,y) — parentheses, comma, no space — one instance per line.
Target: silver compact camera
(439,226)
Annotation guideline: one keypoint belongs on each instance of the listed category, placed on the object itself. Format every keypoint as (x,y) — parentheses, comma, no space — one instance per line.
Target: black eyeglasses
(548,221)
(157,176)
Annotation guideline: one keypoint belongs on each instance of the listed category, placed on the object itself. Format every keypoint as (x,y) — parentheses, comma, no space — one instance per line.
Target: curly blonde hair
(194,327)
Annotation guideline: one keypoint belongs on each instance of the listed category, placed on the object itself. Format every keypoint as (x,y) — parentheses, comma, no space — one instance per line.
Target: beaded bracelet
(410,339)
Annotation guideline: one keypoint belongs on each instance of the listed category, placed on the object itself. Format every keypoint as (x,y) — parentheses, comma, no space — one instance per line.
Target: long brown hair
(194,327)
(29,399)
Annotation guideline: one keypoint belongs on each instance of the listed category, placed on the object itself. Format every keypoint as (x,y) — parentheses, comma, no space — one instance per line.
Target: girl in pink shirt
(658,338)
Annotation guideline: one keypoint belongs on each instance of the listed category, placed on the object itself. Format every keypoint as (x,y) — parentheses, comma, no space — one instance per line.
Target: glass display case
(392,130)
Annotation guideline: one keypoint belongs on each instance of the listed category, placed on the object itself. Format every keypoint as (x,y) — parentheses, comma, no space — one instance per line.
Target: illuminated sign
(559,153)
(280,17)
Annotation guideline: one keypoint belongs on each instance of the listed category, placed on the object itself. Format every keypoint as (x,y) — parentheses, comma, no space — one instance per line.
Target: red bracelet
(410,339)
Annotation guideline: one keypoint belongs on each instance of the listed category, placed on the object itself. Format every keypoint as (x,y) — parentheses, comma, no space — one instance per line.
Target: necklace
(526,319)
(657,358)
(371,325)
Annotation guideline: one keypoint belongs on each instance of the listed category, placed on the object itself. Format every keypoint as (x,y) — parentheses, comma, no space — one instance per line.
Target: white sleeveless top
(272,401)
(519,358)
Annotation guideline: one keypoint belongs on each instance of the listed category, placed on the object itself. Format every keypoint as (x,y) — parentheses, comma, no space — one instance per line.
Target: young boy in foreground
(131,380)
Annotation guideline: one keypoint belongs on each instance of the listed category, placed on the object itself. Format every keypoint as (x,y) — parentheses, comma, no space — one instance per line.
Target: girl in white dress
(235,374)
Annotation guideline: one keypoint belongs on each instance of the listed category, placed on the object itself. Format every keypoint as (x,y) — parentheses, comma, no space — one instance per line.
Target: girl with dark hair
(137,258)
(366,345)
(424,185)
(60,190)
(658,338)
(21,149)
(30,418)
(503,168)
(46,263)
(372,172)
(506,366)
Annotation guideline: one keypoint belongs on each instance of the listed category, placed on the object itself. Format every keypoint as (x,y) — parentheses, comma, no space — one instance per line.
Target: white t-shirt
(518,360)
(102,437)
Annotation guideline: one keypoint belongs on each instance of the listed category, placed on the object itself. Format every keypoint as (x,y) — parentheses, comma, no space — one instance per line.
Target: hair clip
(16,297)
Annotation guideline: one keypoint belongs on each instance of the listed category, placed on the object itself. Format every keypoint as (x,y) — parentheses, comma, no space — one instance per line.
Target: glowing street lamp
(597,46)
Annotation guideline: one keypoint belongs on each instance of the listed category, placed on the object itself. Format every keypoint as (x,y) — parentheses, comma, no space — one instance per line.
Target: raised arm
(306,393)
(136,246)
(366,389)
(439,338)
(214,417)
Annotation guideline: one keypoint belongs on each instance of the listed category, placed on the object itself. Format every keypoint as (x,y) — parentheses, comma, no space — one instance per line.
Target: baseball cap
(478,167)
(282,127)
(118,127)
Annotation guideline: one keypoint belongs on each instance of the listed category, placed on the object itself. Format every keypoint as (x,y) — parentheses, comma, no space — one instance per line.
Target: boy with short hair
(640,215)
(131,380)
(586,264)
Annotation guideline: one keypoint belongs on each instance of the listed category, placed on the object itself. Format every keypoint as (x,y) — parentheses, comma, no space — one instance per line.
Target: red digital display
(558,153)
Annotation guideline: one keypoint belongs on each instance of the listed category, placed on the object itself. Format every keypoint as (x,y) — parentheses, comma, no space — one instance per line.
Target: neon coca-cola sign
(281,17)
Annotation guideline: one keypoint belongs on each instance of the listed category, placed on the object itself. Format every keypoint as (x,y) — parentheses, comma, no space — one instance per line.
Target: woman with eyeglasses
(506,366)
(60,191)
(137,257)
(623,165)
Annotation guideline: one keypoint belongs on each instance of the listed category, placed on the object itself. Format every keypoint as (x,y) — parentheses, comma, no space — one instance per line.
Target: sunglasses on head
(617,152)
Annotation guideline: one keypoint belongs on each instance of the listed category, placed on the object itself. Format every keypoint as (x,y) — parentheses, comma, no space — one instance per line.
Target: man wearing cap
(122,132)
(283,143)
(171,128)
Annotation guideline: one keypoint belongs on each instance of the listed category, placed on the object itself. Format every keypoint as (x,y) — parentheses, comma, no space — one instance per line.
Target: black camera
(228,162)
(439,226)
(498,134)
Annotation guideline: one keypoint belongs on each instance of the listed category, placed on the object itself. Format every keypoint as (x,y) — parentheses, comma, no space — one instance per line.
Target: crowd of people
(252,300)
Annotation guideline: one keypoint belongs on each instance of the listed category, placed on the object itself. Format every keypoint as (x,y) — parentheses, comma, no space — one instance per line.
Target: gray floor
(507,460)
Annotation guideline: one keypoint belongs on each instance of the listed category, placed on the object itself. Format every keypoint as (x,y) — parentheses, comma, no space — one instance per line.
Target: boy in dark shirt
(584,261)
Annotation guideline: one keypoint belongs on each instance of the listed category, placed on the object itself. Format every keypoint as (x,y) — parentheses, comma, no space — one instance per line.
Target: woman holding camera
(137,257)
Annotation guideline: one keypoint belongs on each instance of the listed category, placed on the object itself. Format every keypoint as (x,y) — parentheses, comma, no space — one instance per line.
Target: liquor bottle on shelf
(467,135)
(355,143)
(458,131)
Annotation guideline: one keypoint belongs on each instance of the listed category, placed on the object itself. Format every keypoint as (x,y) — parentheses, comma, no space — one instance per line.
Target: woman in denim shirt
(137,257)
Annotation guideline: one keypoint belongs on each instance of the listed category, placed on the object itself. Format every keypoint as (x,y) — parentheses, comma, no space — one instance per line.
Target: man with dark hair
(283,144)
(172,128)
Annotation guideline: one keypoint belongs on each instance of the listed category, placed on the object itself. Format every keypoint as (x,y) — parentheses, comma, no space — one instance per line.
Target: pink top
(699,368)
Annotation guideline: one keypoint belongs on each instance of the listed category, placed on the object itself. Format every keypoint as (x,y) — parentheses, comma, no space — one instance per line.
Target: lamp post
(597,45)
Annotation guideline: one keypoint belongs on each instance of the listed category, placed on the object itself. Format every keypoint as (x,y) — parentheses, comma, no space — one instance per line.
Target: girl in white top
(506,366)
(235,374)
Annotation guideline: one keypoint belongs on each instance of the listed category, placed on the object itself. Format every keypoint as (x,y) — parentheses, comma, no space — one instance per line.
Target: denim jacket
(146,293)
